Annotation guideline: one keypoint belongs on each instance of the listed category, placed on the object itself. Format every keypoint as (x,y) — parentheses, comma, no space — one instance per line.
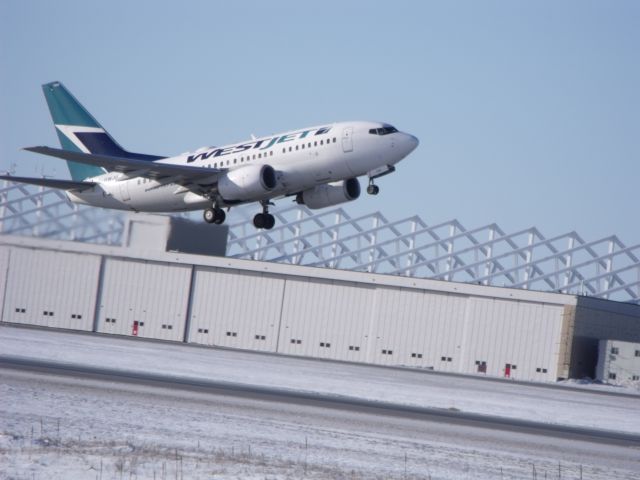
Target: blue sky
(527,112)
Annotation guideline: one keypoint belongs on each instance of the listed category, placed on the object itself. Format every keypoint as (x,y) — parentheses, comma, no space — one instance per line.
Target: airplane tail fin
(79,131)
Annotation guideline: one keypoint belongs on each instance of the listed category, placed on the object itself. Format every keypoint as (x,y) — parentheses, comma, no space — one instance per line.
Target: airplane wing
(50,182)
(138,168)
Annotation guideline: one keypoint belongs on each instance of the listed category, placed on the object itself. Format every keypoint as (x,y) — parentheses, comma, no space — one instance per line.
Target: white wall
(4,270)
(323,318)
(233,308)
(524,334)
(51,289)
(290,310)
(618,362)
(153,294)
(417,327)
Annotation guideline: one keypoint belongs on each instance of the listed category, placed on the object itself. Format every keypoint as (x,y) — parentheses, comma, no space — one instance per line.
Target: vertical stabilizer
(71,118)
(79,131)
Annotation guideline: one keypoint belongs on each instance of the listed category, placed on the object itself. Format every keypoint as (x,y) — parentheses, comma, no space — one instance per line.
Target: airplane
(319,166)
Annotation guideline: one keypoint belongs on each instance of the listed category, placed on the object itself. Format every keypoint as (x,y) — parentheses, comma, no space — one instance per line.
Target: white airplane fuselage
(302,160)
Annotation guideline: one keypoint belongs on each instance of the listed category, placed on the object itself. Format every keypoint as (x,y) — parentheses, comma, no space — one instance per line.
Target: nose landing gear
(214,215)
(381,171)
(265,219)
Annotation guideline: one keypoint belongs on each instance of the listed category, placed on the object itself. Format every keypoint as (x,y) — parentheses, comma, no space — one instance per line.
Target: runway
(320,400)
(77,406)
(76,423)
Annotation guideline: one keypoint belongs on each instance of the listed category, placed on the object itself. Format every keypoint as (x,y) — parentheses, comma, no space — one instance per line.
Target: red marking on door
(507,370)
(135,328)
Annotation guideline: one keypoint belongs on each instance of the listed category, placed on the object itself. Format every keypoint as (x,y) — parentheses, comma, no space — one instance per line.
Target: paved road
(321,400)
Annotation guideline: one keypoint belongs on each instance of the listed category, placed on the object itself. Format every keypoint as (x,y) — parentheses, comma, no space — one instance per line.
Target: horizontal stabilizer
(142,168)
(50,182)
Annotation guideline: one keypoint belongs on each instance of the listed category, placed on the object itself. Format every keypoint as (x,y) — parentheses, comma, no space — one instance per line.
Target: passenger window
(259,155)
(321,142)
(235,160)
(334,139)
(315,144)
(271,153)
(296,147)
(303,146)
(289,148)
(309,145)
(284,150)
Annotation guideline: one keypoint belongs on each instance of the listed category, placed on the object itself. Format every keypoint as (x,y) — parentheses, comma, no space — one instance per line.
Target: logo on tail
(79,131)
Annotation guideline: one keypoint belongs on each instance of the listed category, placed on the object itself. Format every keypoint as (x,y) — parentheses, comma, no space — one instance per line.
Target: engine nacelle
(247,183)
(330,194)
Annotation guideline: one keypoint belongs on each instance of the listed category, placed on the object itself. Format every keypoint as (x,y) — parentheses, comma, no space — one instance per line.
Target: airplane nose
(411,142)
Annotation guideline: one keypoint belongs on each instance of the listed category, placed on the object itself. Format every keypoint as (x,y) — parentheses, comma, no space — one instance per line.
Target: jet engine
(330,194)
(247,183)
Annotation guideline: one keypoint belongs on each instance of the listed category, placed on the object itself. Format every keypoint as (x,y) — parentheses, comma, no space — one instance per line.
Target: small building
(618,362)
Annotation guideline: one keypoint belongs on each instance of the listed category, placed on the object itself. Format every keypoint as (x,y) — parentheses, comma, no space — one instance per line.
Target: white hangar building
(144,289)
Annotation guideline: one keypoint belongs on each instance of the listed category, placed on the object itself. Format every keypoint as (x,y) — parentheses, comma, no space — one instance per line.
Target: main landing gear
(373,189)
(265,219)
(261,220)
(214,215)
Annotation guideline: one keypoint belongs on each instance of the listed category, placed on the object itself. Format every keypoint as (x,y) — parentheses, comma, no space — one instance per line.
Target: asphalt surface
(344,403)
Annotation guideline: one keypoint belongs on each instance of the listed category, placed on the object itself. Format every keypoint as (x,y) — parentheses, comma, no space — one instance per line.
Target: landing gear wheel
(209,215)
(373,189)
(220,216)
(214,215)
(264,220)
(271,221)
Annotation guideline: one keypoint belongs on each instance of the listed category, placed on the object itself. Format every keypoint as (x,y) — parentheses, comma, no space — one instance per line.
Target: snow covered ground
(407,387)
(70,428)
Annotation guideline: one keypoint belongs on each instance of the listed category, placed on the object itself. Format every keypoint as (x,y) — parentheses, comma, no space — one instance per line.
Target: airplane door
(124,191)
(347,139)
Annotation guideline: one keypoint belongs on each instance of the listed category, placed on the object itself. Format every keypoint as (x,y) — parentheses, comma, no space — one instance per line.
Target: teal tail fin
(79,131)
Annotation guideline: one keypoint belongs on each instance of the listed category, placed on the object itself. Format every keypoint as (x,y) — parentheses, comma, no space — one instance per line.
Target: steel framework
(487,255)
(45,212)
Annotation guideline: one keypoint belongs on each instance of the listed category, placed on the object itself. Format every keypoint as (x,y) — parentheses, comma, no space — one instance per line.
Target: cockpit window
(386,130)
